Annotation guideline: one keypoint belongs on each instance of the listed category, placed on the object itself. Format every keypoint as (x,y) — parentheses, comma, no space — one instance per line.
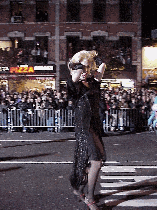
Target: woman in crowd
(84,89)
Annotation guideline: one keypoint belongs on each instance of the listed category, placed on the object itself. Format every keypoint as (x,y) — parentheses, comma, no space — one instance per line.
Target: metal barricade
(125,119)
(67,118)
(38,118)
(56,120)
(4,119)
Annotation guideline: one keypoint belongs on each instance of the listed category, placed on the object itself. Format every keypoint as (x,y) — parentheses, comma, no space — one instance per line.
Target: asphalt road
(35,169)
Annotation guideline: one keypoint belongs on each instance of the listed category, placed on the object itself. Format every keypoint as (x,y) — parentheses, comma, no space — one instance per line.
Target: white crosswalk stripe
(122,186)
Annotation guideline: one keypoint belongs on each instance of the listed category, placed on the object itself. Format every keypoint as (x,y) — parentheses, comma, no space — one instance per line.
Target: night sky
(149,17)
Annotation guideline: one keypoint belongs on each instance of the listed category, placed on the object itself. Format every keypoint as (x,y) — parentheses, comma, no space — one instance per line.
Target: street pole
(57,44)
(139,47)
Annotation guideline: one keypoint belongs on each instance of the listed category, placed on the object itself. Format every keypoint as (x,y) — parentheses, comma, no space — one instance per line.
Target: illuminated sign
(128,83)
(4,68)
(22,69)
(43,68)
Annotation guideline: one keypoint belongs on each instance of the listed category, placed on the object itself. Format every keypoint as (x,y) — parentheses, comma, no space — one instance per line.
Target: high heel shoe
(79,195)
(91,205)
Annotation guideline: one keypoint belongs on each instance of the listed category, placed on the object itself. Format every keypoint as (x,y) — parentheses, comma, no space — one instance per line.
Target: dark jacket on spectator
(22,106)
(11,105)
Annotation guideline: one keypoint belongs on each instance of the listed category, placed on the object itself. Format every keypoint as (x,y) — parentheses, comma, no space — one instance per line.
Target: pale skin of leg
(92,178)
(93,172)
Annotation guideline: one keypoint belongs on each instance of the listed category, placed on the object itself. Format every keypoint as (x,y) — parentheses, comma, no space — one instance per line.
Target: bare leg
(92,178)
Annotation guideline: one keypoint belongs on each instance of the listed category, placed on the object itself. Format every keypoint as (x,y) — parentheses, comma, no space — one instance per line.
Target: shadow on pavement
(10,169)
(40,142)
(134,191)
(26,157)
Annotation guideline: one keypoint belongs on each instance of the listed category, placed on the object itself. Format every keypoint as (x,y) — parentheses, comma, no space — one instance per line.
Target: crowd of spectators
(46,99)
(117,98)
(114,98)
(111,98)
(131,107)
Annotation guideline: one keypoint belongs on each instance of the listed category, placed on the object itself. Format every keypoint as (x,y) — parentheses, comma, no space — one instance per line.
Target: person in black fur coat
(84,89)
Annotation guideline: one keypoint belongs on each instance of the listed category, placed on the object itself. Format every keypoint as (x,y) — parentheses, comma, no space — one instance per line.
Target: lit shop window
(5,45)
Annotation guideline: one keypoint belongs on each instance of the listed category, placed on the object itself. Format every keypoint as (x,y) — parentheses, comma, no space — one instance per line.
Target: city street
(35,169)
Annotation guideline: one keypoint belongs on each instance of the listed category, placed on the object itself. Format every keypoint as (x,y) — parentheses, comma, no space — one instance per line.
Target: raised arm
(99,73)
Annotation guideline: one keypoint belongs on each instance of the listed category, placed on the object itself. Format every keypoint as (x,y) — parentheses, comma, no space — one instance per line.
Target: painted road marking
(133,203)
(8,140)
(35,162)
(110,169)
(136,178)
(123,169)
(49,162)
(123,197)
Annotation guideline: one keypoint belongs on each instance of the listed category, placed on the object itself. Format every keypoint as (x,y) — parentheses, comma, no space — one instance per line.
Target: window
(98,41)
(16,9)
(99,10)
(5,45)
(86,45)
(73,46)
(18,50)
(41,49)
(73,10)
(17,42)
(125,47)
(42,11)
(125,10)
(29,46)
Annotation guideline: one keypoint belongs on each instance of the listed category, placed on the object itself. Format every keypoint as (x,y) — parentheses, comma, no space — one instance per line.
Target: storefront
(24,78)
(117,83)
(149,77)
(149,67)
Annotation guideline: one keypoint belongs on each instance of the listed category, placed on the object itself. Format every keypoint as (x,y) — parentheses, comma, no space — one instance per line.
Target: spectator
(3,114)
(148,102)
(69,116)
(61,104)
(102,110)
(113,107)
(38,55)
(52,103)
(30,112)
(45,56)
(103,107)
(22,105)
(34,53)
(70,105)
(132,104)
(123,105)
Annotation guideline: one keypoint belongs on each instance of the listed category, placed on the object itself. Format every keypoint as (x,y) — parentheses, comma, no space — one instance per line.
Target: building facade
(48,33)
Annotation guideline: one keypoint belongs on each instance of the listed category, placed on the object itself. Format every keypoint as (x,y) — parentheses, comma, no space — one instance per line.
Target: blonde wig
(86,58)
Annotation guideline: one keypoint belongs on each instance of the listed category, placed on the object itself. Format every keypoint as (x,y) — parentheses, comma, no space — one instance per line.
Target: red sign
(22,70)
